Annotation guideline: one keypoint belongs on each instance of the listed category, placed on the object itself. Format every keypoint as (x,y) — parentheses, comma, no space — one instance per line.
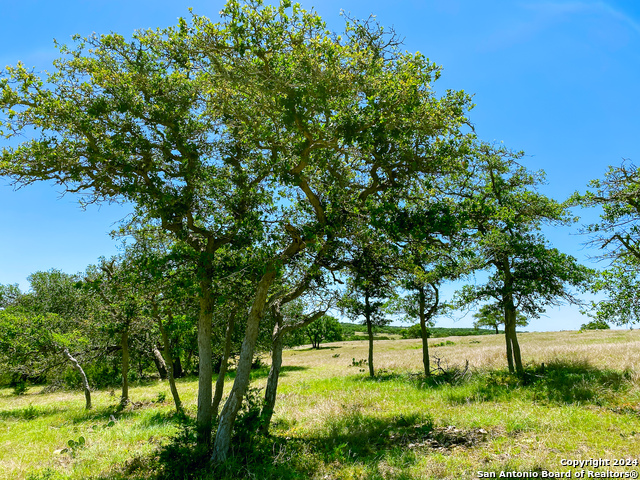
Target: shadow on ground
(263,372)
(29,412)
(557,382)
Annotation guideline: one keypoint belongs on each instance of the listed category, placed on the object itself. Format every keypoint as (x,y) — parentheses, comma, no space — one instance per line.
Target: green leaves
(507,213)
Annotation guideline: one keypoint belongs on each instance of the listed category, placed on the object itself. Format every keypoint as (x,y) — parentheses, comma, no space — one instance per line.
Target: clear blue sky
(557,79)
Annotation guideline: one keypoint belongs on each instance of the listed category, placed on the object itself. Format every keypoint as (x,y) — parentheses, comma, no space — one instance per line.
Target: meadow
(580,400)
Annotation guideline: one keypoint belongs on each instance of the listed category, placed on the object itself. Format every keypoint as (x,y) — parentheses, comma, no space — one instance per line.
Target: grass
(580,400)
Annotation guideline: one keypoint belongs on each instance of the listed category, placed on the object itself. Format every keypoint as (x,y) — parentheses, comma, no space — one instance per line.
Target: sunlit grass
(332,421)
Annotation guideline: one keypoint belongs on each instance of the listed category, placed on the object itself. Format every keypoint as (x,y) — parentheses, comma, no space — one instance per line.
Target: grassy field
(581,401)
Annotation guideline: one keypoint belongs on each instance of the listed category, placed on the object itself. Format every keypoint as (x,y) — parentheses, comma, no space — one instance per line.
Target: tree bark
(507,338)
(515,346)
(276,363)
(205,367)
(272,381)
(160,363)
(124,398)
(170,366)
(424,334)
(370,333)
(223,366)
(83,376)
(177,367)
(241,382)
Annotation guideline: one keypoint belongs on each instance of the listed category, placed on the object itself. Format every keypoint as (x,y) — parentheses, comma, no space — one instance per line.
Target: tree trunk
(178,372)
(276,363)
(370,333)
(223,366)
(124,398)
(170,366)
(160,363)
(241,382)
(205,367)
(85,382)
(515,347)
(424,334)
(496,327)
(507,339)
(272,380)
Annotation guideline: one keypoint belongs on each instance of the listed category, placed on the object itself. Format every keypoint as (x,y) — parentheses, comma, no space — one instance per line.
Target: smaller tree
(9,295)
(325,328)
(492,315)
(370,285)
(595,325)
(31,344)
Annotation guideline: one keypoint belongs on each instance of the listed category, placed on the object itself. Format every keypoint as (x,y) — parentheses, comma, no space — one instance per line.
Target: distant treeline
(352,331)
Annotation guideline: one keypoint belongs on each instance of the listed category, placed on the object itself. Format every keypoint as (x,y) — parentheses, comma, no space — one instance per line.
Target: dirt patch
(444,438)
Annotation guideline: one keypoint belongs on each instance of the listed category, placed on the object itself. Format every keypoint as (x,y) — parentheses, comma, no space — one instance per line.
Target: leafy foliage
(491,315)
(595,325)
(326,328)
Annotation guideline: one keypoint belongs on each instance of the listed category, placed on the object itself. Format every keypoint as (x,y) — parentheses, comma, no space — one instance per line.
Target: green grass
(333,422)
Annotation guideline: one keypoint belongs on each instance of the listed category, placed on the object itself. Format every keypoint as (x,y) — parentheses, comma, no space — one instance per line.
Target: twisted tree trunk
(83,376)
(279,332)
(241,382)
(205,367)
(272,382)
(161,365)
(223,366)
(170,367)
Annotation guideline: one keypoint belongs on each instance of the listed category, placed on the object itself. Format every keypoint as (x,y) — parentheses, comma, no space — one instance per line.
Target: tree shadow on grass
(311,349)
(164,418)
(263,372)
(101,415)
(354,438)
(576,382)
(558,382)
(30,412)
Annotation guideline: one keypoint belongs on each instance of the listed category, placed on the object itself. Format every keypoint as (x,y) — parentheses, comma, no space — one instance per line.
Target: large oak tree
(265,130)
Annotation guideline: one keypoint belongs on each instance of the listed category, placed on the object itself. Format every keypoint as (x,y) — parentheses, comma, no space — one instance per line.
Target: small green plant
(358,363)
(443,344)
(248,421)
(46,474)
(74,446)
(30,412)
(20,388)
(162,396)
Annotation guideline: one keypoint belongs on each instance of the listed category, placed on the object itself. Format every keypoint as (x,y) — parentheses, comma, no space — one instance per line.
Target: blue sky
(557,79)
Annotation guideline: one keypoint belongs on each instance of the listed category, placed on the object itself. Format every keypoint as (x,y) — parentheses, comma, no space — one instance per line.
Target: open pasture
(333,422)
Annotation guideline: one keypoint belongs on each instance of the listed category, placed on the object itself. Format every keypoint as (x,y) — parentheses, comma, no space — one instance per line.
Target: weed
(182,457)
(443,344)
(30,412)
(46,474)
(20,387)
(358,363)
(74,446)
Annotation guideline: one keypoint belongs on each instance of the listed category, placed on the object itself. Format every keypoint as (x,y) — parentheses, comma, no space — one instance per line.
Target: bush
(413,331)
(20,387)
(595,325)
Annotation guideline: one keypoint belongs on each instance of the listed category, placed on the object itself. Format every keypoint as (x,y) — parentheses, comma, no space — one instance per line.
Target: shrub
(595,325)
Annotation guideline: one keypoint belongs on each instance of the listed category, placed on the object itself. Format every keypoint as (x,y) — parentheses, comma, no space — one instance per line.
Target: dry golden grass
(616,349)
(333,422)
